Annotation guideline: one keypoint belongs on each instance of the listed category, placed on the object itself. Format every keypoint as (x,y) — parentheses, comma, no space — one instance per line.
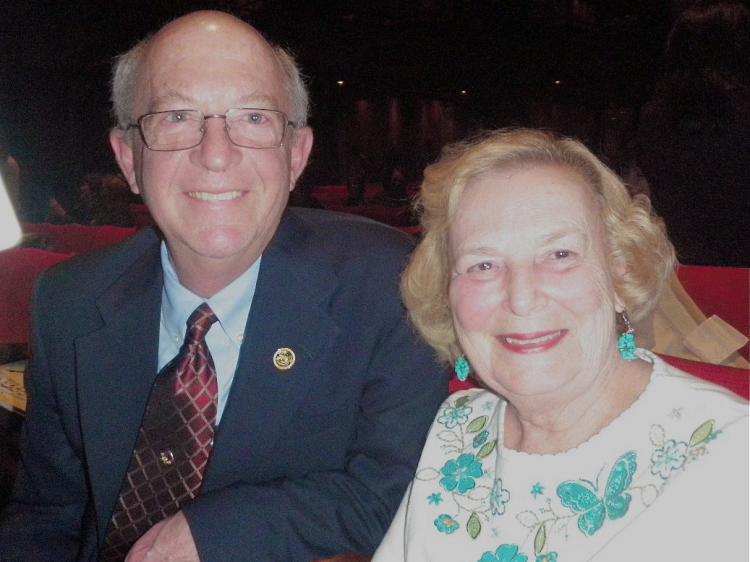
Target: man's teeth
(205,196)
(535,341)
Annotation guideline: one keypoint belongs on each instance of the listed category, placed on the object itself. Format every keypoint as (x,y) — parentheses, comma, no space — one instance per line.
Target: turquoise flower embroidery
(480,438)
(435,498)
(537,490)
(547,557)
(498,498)
(454,416)
(446,524)
(506,553)
(460,473)
(670,457)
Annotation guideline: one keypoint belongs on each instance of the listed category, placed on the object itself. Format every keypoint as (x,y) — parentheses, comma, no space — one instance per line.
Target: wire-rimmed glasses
(180,129)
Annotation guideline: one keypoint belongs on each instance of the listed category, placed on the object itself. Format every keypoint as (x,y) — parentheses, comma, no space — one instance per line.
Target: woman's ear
(619,304)
(619,271)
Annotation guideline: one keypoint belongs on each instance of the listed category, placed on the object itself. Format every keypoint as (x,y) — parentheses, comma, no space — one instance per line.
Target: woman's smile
(536,342)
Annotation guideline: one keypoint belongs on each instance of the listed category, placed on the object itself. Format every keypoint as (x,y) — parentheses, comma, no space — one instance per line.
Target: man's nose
(216,151)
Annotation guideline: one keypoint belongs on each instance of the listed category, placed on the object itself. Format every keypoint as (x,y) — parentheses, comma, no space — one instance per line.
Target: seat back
(736,380)
(393,216)
(723,291)
(19,270)
(78,238)
(141,215)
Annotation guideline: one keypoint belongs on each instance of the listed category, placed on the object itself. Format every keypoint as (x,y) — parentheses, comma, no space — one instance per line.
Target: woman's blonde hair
(640,257)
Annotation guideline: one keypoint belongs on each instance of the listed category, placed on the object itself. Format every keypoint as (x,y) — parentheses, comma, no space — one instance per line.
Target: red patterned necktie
(174,441)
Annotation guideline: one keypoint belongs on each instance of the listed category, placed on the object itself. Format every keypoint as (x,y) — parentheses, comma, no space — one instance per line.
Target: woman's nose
(523,296)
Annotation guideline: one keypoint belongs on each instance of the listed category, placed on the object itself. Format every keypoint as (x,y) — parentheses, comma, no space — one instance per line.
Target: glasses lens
(172,130)
(256,128)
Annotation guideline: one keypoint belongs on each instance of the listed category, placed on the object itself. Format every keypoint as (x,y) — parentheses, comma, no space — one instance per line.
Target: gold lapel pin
(284,359)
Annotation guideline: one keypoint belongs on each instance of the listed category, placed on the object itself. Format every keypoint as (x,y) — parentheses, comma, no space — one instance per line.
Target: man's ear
(123,150)
(300,152)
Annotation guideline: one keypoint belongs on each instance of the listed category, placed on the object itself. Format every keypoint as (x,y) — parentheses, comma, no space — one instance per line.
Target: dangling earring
(462,368)
(626,341)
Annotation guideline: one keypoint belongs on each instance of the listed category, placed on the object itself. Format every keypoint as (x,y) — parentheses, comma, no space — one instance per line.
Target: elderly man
(292,398)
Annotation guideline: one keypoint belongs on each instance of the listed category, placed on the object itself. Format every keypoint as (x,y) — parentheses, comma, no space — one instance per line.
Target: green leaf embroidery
(477,424)
(486,449)
(702,433)
(473,526)
(461,401)
(540,539)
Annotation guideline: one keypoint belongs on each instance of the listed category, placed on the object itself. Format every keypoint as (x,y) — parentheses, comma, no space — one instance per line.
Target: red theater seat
(19,270)
(723,291)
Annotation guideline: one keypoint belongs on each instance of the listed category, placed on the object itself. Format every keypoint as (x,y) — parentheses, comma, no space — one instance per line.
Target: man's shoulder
(347,231)
(101,267)
(357,259)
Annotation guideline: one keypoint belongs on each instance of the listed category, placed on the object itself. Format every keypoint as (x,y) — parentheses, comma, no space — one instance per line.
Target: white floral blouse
(473,500)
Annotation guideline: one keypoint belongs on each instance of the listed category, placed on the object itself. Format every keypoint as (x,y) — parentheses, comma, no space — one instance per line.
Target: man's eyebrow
(261,101)
(171,97)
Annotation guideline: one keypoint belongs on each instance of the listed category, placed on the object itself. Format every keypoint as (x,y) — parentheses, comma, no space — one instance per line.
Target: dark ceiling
(55,59)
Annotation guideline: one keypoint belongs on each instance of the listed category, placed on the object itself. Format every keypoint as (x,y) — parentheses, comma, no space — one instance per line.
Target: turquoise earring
(626,341)
(462,368)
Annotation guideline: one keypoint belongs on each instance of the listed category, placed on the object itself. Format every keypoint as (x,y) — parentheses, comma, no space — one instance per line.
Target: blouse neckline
(657,369)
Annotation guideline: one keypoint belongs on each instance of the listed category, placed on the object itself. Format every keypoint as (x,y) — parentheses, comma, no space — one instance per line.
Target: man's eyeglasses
(180,129)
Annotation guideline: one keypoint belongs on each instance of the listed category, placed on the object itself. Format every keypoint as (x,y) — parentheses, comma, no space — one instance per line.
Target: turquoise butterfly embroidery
(582,496)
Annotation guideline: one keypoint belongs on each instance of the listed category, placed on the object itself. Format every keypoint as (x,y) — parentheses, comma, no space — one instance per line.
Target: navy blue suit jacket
(307,463)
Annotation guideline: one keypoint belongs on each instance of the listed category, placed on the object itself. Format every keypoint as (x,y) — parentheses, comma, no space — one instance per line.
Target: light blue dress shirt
(231,306)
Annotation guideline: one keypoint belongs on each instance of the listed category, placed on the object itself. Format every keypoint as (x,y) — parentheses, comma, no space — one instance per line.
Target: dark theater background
(393,81)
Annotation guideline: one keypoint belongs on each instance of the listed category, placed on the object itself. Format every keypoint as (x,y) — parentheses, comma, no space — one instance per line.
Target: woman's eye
(562,254)
(483,266)
(561,259)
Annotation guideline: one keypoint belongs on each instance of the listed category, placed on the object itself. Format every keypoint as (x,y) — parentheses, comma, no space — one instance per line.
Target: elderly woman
(535,263)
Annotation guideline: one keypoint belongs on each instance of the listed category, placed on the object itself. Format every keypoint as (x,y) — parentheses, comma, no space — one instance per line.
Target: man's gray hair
(128,65)
(295,85)
(124,75)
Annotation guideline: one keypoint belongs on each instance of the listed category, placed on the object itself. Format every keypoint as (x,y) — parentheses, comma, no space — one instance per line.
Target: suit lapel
(116,367)
(286,313)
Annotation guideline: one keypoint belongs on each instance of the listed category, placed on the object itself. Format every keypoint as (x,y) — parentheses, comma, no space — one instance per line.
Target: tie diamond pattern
(174,441)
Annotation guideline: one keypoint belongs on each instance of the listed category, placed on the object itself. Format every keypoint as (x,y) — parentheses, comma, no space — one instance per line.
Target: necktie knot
(198,324)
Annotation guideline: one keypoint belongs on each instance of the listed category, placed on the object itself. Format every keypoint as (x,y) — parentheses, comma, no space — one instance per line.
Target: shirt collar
(231,305)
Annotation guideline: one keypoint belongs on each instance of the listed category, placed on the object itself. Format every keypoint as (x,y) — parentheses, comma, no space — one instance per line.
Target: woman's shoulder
(688,417)
(690,393)
(702,515)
